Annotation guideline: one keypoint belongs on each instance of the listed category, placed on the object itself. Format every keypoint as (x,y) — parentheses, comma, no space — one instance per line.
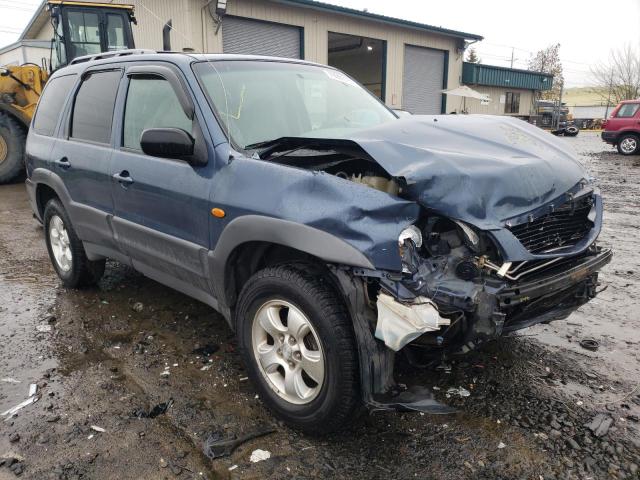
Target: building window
(512,103)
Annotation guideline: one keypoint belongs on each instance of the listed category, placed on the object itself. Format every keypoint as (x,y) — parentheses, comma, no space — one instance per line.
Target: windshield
(258,101)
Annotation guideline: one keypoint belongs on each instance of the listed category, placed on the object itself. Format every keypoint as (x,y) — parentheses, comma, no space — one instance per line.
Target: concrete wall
(22,54)
(495,107)
(190,21)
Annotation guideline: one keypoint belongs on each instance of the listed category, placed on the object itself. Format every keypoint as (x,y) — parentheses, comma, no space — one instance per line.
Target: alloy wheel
(59,239)
(288,351)
(628,145)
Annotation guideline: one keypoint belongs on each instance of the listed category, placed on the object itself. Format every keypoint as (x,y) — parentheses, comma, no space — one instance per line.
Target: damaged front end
(505,237)
(458,283)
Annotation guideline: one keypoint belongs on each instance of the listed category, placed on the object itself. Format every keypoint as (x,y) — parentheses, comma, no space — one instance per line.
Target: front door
(161,216)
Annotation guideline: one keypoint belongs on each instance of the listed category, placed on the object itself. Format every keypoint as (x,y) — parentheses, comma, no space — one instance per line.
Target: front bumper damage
(484,309)
(448,315)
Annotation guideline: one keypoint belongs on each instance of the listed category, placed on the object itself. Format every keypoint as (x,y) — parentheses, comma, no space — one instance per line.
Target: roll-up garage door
(423,79)
(253,37)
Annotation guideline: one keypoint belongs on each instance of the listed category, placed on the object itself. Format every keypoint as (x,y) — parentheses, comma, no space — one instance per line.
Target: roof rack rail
(115,53)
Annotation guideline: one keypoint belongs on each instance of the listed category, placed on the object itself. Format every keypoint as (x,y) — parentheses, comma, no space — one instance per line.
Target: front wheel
(298,344)
(628,144)
(66,250)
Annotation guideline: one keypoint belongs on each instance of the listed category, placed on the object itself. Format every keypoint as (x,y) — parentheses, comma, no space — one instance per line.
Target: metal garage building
(407,64)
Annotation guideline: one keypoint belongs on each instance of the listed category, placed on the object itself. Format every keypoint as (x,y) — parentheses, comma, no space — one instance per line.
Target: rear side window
(51,104)
(151,103)
(93,108)
(628,110)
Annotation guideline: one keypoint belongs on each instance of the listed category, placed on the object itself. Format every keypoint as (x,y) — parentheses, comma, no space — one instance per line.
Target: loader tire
(12,139)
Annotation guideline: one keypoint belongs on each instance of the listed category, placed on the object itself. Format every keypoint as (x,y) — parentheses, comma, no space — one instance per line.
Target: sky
(587,30)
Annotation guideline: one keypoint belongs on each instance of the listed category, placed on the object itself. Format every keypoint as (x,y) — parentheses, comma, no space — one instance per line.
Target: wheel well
(248,258)
(44,193)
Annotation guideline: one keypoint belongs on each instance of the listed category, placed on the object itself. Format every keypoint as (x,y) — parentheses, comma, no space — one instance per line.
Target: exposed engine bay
(456,289)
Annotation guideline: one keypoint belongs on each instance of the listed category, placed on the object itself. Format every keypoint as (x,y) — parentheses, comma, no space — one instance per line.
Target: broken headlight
(471,238)
(409,240)
(412,233)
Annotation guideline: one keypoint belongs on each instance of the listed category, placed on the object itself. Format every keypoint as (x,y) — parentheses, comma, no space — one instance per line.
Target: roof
(26,43)
(494,76)
(80,64)
(40,18)
(380,18)
(37,21)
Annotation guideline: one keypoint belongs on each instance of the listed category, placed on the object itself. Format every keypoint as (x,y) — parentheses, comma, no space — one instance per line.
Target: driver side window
(151,103)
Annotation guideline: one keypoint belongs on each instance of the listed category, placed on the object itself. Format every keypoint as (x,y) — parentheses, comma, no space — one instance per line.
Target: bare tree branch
(618,77)
(548,61)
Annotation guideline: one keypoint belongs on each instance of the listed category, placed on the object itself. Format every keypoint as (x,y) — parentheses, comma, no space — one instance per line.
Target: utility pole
(559,107)
(512,49)
(606,112)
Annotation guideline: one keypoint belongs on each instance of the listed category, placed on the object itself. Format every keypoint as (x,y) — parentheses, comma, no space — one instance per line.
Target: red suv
(622,129)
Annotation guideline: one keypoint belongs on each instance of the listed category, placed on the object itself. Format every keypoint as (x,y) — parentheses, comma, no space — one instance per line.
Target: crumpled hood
(477,168)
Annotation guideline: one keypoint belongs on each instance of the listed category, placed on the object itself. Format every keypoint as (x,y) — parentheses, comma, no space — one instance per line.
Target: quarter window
(151,103)
(93,108)
(51,104)
(628,110)
(512,103)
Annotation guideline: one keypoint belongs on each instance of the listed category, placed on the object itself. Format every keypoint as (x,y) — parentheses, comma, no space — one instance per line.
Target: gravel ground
(539,405)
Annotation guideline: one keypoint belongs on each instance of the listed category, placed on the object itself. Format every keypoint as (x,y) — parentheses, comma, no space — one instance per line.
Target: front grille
(563,227)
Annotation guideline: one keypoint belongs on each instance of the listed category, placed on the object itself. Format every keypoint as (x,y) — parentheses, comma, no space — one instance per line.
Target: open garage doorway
(361,57)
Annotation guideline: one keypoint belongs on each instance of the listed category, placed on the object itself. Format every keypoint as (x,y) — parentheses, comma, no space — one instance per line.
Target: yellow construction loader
(79,28)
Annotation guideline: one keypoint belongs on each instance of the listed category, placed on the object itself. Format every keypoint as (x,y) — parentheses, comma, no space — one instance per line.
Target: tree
(472,56)
(548,61)
(618,77)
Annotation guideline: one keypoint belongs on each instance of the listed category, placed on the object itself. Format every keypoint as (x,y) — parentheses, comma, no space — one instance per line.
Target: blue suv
(330,233)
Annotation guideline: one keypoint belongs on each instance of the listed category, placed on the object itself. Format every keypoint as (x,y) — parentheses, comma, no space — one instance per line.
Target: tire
(571,131)
(70,261)
(288,291)
(12,140)
(628,144)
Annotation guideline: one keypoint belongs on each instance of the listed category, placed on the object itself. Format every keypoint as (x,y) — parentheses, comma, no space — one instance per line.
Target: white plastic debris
(400,323)
(206,367)
(33,390)
(460,391)
(259,455)
(9,413)
(501,445)
(233,467)
(98,429)
(90,437)
(9,380)
(43,328)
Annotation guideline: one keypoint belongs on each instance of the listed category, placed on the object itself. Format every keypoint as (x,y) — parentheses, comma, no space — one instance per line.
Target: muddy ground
(106,356)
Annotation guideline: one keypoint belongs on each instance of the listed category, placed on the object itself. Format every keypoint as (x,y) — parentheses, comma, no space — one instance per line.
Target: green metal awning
(494,76)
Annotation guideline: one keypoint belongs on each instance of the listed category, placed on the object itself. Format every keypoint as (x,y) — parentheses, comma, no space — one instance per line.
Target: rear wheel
(298,344)
(628,144)
(12,140)
(66,250)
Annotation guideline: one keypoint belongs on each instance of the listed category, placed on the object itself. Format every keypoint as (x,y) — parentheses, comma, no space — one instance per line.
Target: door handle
(63,163)
(123,177)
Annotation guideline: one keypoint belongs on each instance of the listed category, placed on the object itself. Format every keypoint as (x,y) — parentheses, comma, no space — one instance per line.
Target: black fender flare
(258,228)
(42,176)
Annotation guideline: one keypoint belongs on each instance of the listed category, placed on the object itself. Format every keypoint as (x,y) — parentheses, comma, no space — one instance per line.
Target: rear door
(82,154)
(161,205)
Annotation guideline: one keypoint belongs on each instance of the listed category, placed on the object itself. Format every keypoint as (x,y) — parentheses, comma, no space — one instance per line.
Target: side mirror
(167,143)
